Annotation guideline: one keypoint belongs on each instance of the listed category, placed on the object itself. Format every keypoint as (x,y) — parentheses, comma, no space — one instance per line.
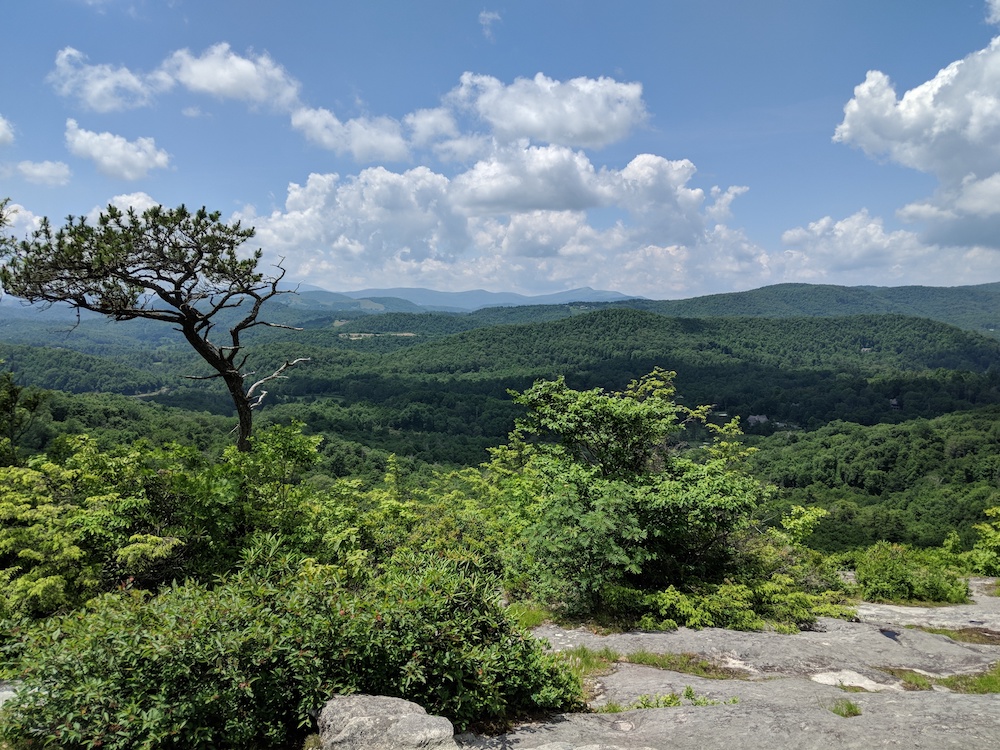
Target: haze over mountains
(975,308)
(970,307)
(478,298)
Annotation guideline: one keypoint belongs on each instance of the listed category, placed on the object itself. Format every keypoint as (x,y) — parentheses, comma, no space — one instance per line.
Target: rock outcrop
(375,722)
(792,684)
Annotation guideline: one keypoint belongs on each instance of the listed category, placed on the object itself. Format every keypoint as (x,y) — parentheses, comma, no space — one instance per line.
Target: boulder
(7,690)
(376,722)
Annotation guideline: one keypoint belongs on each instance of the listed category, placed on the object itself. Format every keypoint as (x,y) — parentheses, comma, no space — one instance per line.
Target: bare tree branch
(274,375)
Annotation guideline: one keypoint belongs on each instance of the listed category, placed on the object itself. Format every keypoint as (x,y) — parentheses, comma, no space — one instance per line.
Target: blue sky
(668,148)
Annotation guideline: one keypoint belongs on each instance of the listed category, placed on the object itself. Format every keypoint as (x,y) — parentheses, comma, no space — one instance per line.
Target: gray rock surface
(925,721)
(375,722)
(836,646)
(6,691)
(792,683)
(983,613)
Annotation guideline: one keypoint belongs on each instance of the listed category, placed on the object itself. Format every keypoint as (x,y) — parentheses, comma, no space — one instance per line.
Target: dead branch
(274,375)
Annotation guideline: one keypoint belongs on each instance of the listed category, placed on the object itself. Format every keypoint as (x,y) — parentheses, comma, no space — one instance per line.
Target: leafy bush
(250,662)
(985,554)
(898,573)
(776,604)
(606,500)
(86,521)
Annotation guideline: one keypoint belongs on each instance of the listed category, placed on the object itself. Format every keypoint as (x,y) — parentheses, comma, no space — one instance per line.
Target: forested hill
(913,482)
(975,308)
(444,397)
(970,307)
(865,343)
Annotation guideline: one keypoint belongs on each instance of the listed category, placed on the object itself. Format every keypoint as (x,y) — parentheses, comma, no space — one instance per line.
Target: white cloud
(22,221)
(218,72)
(585,112)
(375,216)
(993,11)
(486,19)
(138,201)
(52,173)
(857,249)
(655,191)
(464,148)
(113,155)
(6,132)
(949,127)
(366,139)
(855,245)
(428,125)
(541,235)
(102,88)
(222,73)
(519,219)
(721,209)
(523,178)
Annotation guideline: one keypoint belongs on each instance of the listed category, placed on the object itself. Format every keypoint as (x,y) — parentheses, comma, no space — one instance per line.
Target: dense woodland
(641,464)
(885,420)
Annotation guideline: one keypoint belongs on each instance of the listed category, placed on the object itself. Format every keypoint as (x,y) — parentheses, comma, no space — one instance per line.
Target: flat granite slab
(920,720)
(793,681)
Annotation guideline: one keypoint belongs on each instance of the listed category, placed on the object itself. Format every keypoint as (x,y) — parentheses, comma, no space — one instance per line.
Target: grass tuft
(846,708)
(983,636)
(911,680)
(530,614)
(670,700)
(984,682)
(687,664)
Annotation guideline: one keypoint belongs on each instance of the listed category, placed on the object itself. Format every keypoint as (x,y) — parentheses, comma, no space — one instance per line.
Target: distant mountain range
(479,298)
(975,308)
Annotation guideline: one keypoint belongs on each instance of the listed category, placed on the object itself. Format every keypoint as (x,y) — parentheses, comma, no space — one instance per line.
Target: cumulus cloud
(366,139)
(138,202)
(365,221)
(721,208)
(581,112)
(218,72)
(114,155)
(464,148)
(429,125)
(948,127)
(51,173)
(222,73)
(520,218)
(22,221)
(523,178)
(102,88)
(853,246)
(6,132)
(655,191)
(858,248)
(993,11)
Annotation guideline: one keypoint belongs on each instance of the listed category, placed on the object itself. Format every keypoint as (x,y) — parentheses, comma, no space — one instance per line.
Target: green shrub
(609,505)
(92,521)
(985,554)
(776,604)
(898,573)
(250,662)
